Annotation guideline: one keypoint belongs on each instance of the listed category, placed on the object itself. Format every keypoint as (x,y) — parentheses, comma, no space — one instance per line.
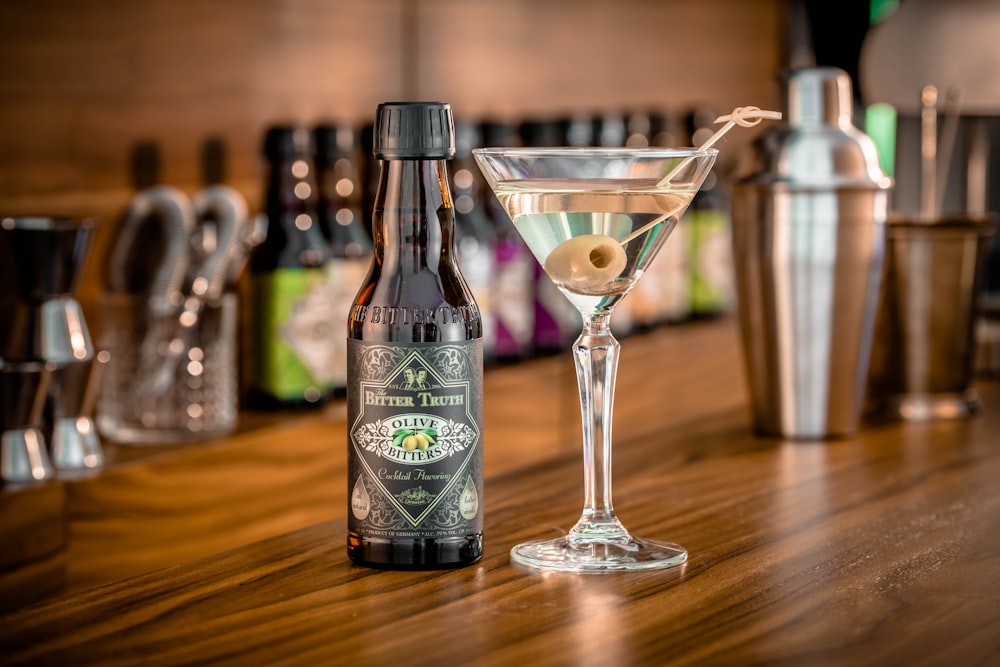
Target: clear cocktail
(595,219)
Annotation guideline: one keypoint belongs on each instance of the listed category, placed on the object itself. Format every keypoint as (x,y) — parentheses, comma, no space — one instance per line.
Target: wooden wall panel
(559,56)
(81,83)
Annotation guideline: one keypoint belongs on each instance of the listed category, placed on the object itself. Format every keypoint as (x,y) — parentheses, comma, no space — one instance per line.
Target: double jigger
(48,366)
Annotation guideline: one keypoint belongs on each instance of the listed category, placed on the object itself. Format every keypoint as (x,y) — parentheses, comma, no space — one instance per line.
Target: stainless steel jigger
(23,389)
(40,261)
(809,229)
(75,444)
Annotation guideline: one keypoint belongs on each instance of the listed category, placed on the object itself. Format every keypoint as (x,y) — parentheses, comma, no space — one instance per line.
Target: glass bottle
(556,322)
(663,295)
(292,360)
(338,177)
(415,364)
(709,229)
(475,236)
(513,298)
(610,131)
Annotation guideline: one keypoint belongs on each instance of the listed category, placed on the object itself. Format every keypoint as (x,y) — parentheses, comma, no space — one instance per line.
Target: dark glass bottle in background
(638,129)
(709,231)
(556,322)
(578,130)
(663,295)
(415,364)
(370,169)
(513,289)
(338,177)
(475,236)
(610,131)
(291,362)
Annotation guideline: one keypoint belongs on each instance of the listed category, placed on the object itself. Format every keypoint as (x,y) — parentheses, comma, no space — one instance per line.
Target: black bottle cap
(414,130)
(336,139)
(287,141)
(542,133)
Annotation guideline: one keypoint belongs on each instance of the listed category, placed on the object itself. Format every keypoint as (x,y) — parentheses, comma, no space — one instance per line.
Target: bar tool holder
(170,319)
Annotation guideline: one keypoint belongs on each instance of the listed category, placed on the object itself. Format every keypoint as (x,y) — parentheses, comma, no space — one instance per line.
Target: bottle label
(296,354)
(513,298)
(478,265)
(712,289)
(343,278)
(415,461)
(557,321)
(664,294)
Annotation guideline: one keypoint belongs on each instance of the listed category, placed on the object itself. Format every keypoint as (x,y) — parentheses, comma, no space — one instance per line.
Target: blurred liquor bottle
(512,300)
(709,232)
(338,176)
(369,175)
(476,237)
(611,131)
(556,322)
(292,361)
(663,295)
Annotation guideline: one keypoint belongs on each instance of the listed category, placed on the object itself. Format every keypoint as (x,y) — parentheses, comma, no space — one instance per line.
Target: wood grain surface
(158,506)
(881,549)
(33,528)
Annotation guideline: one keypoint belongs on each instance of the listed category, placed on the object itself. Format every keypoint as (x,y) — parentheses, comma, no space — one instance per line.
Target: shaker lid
(816,146)
(817,96)
(414,130)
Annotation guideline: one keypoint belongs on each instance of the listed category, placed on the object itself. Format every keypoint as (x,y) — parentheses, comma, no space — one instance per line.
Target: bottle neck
(293,236)
(340,207)
(414,223)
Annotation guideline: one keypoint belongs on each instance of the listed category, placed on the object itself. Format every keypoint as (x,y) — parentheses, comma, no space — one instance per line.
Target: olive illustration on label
(410,439)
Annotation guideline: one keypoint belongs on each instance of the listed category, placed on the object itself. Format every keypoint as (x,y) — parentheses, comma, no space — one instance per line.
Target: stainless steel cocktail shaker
(809,230)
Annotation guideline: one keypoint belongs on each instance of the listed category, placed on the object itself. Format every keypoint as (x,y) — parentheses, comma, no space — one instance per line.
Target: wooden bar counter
(881,549)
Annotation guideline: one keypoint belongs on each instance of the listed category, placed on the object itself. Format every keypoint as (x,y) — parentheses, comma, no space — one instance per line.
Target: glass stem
(596,356)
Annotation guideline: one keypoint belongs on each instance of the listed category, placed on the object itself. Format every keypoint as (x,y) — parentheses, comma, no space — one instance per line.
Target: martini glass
(595,219)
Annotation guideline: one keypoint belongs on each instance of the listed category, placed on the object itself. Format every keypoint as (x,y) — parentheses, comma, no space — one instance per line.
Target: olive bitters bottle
(415,363)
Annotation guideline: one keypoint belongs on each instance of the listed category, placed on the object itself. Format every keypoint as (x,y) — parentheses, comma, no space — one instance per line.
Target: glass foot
(566,555)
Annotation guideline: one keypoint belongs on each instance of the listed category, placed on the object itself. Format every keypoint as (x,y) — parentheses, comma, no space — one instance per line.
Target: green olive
(410,443)
(586,262)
